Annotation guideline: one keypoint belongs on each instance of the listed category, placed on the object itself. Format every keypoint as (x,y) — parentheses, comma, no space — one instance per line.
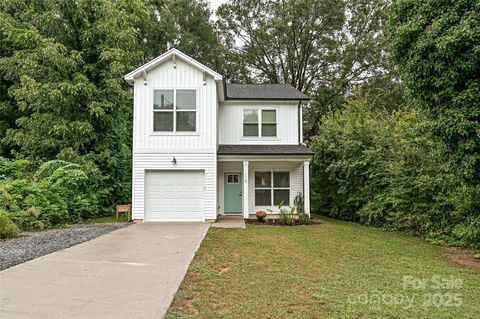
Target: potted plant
(260,215)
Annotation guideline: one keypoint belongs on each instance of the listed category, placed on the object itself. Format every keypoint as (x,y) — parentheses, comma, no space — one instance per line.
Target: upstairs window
(250,123)
(260,123)
(269,123)
(174,110)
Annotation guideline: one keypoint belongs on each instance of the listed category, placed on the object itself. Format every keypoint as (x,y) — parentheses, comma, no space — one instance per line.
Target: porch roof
(237,149)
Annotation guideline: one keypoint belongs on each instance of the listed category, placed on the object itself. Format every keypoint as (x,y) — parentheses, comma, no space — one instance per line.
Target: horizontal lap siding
(296,181)
(145,162)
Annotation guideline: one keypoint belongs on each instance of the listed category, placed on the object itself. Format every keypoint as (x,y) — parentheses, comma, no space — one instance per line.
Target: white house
(204,148)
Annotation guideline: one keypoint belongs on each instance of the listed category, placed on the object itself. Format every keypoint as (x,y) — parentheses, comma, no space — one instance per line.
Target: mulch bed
(274,222)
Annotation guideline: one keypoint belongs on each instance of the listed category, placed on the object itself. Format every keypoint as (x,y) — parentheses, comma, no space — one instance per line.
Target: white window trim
(272,188)
(233,174)
(259,123)
(174,110)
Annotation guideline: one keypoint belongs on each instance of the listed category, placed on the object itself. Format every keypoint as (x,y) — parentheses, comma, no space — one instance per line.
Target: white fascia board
(265,158)
(130,77)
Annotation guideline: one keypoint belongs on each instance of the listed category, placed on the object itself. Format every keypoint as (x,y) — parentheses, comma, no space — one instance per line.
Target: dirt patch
(191,308)
(223,270)
(462,258)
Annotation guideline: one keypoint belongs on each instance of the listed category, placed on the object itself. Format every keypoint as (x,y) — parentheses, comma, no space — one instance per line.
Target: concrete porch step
(229,222)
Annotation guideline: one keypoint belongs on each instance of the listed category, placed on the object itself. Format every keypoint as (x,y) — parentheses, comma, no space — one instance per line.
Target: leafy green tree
(435,45)
(184,24)
(282,41)
(324,48)
(8,111)
(388,170)
(65,68)
(62,93)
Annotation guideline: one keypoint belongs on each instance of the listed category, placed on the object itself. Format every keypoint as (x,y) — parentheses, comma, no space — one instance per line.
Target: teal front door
(233,192)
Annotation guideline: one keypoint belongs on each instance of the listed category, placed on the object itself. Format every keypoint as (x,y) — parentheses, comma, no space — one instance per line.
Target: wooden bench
(124,209)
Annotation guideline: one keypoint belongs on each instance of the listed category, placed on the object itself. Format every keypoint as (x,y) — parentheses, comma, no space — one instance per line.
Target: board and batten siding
(184,76)
(192,150)
(231,122)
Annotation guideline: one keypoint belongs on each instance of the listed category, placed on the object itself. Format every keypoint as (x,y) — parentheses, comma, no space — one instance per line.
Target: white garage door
(174,196)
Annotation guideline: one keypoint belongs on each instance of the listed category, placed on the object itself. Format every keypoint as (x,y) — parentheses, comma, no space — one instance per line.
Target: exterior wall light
(174,161)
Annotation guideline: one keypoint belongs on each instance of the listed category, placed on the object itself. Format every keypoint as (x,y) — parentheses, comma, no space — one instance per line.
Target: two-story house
(204,148)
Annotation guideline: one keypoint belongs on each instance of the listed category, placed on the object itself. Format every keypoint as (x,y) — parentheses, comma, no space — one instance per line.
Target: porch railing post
(245,190)
(306,186)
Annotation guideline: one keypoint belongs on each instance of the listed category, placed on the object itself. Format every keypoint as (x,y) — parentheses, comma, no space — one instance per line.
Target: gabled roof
(240,149)
(263,92)
(169,55)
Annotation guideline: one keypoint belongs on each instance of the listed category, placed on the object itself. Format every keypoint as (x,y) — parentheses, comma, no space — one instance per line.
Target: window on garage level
(174,110)
(272,188)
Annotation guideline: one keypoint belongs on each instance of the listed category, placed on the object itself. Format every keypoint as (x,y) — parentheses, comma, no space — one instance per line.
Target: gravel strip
(32,245)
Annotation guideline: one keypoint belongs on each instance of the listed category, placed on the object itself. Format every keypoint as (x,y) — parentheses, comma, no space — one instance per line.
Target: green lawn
(322,271)
(107,219)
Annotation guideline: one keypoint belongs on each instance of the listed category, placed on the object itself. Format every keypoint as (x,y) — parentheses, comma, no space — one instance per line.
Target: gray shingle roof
(263,92)
(225,149)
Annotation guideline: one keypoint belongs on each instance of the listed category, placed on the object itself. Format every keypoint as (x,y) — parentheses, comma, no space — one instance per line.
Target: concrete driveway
(132,272)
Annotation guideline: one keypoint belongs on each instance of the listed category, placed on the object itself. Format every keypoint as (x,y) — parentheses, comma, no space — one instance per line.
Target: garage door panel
(197,189)
(174,196)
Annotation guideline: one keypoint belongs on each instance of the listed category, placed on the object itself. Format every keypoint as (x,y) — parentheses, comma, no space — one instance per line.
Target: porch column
(245,189)
(306,186)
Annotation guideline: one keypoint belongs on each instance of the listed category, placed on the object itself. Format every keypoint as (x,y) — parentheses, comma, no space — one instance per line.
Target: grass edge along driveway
(333,270)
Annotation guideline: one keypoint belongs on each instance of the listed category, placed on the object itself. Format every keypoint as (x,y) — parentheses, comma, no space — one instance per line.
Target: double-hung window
(174,110)
(260,123)
(272,188)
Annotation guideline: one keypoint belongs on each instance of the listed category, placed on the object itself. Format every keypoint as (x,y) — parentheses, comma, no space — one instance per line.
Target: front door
(233,193)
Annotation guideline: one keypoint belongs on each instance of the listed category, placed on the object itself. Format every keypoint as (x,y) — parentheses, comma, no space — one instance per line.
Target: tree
(282,41)
(62,93)
(8,111)
(184,24)
(324,48)
(65,73)
(435,45)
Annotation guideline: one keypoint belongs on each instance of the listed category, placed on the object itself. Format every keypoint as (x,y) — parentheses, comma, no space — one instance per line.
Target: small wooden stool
(124,209)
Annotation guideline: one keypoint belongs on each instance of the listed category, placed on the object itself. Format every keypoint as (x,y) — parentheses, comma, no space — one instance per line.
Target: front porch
(247,184)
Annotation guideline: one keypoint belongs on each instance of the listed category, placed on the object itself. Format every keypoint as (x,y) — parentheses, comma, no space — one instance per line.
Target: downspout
(300,133)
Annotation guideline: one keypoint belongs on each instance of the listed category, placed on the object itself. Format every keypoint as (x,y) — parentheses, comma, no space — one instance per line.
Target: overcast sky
(216,3)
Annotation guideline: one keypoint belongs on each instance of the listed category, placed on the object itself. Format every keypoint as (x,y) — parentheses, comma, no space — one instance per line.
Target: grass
(321,271)
(107,219)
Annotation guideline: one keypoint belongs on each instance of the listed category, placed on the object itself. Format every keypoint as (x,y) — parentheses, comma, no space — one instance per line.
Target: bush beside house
(34,198)
(389,170)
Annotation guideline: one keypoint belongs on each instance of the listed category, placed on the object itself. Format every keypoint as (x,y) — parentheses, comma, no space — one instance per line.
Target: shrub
(286,216)
(468,231)
(58,192)
(7,227)
(260,215)
(303,219)
(283,218)
(389,170)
